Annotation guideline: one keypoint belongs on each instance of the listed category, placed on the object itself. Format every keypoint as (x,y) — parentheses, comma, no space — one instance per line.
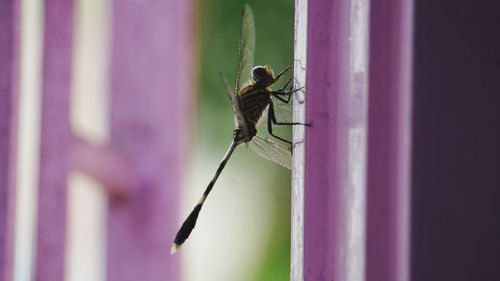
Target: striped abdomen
(252,105)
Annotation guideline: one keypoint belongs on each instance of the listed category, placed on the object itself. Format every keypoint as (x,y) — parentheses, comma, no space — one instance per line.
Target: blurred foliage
(218,31)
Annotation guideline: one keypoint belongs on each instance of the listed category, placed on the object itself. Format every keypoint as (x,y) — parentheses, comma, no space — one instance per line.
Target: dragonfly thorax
(262,76)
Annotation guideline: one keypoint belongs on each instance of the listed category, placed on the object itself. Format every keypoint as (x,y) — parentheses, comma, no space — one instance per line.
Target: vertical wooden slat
(324,208)
(9,74)
(335,145)
(56,78)
(297,206)
(388,208)
(151,64)
(456,157)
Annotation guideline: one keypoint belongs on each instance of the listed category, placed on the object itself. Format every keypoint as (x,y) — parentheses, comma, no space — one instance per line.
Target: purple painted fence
(389,144)
(356,183)
(334,164)
(404,109)
(140,168)
(151,67)
(9,72)
(332,188)
(55,136)
(431,166)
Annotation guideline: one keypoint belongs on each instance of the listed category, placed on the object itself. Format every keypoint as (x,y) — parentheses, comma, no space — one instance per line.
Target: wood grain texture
(300,64)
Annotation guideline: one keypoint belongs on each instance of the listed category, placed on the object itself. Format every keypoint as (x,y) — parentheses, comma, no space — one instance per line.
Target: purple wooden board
(456,155)
(151,69)
(56,78)
(334,106)
(388,181)
(338,174)
(9,74)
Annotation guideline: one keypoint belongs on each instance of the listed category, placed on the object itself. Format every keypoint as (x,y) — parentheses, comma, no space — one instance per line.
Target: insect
(249,101)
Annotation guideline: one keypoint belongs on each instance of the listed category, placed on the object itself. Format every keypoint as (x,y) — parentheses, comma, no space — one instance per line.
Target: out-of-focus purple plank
(388,185)
(151,70)
(56,78)
(456,155)
(9,93)
(336,101)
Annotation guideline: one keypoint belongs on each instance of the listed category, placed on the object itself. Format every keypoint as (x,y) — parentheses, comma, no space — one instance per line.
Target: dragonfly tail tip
(175,248)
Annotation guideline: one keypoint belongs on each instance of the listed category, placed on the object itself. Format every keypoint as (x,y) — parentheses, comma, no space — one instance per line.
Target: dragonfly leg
(271,119)
(286,85)
(281,73)
(274,121)
(277,94)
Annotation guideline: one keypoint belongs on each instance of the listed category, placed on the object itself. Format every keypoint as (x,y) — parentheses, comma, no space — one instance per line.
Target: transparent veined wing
(283,111)
(246,48)
(271,150)
(240,121)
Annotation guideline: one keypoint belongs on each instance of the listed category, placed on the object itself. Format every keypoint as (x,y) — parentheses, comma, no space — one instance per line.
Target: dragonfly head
(263,75)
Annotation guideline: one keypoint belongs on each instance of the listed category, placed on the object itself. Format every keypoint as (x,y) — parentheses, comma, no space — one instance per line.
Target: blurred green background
(217,35)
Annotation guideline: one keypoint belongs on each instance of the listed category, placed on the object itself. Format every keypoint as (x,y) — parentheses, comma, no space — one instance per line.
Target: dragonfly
(250,99)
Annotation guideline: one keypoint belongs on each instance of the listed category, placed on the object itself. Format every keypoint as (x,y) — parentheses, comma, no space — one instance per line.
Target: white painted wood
(300,46)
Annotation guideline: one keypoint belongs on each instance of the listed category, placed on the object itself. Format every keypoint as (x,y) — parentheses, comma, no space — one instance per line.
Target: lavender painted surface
(336,103)
(9,93)
(456,155)
(324,209)
(388,209)
(151,66)
(56,71)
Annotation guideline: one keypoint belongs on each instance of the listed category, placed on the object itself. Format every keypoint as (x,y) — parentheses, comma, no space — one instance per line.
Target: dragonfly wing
(246,47)
(240,121)
(273,151)
(283,111)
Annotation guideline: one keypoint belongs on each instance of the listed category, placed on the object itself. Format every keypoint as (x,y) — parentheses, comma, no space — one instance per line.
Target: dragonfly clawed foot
(295,143)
